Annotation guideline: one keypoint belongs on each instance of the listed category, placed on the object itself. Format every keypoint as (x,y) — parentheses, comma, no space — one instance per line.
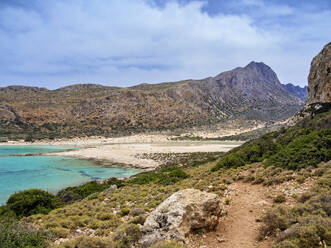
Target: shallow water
(11,150)
(50,173)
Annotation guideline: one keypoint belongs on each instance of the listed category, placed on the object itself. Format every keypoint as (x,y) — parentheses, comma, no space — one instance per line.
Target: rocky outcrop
(184,212)
(319,80)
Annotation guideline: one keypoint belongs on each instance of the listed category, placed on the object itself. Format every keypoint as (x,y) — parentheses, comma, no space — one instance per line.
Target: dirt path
(239,228)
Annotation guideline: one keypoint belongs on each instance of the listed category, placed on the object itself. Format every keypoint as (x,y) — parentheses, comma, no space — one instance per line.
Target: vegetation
(303,145)
(19,235)
(165,176)
(307,223)
(168,244)
(76,193)
(28,202)
(88,242)
(129,205)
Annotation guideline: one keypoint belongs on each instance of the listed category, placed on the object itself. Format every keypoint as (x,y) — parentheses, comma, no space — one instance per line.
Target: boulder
(184,212)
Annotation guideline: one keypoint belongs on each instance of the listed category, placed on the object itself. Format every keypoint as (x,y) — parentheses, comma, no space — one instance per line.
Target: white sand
(124,150)
(125,153)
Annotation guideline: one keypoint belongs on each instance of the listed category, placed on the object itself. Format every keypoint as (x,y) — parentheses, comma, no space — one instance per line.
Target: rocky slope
(250,93)
(319,87)
(300,92)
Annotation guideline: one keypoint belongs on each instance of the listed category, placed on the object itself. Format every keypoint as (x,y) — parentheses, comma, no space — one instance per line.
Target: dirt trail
(239,228)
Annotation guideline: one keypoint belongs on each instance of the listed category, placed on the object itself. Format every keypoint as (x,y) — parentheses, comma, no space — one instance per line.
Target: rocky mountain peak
(255,76)
(319,79)
(264,71)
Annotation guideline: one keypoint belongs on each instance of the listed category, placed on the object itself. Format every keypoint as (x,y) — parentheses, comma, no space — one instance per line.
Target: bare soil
(239,228)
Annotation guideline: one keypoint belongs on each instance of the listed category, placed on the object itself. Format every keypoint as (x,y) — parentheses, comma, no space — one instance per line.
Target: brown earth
(239,228)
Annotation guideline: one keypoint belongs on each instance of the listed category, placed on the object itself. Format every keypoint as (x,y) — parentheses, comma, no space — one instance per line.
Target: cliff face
(252,93)
(319,80)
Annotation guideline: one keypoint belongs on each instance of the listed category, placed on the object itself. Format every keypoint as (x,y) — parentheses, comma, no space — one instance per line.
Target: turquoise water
(50,173)
(11,150)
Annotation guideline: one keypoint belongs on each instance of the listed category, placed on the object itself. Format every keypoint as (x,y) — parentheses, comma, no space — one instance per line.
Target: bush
(303,151)
(125,211)
(18,235)
(229,161)
(167,244)
(88,242)
(280,198)
(307,223)
(72,194)
(127,235)
(33,201)
(60,232)
(165,176)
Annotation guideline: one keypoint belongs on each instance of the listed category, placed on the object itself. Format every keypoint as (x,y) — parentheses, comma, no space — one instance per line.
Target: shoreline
(125,151)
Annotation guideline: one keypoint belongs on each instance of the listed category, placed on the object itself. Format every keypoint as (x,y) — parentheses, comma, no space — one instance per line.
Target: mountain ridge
(252,92)
(295,90)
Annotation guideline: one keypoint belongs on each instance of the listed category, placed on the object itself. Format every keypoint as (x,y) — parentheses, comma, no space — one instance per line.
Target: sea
(51,173)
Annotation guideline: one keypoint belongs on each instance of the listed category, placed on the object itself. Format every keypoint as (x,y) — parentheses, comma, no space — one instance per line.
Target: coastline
(125,151)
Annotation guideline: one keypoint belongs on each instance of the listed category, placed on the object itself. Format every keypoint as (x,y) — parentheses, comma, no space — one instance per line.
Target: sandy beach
(125,151)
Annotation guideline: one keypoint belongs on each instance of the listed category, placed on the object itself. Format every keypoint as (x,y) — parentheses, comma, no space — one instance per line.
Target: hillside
(249,93)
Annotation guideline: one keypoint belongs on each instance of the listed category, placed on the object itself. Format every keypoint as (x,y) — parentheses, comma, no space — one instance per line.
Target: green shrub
(280,198)
(18,235)
(229,161)
(303,151)
(125,211)
(87,242)
(59,232)
(307,223)
(165,176)
(127,235)
(167,244)
(72,194)
(33,201)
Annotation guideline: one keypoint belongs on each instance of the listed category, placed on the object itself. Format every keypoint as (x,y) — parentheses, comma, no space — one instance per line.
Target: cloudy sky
(125,42)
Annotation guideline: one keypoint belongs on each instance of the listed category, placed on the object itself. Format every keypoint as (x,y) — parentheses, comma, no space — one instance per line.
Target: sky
(55,43)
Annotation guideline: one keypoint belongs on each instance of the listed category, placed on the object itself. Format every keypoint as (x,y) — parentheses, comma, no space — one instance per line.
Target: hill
(249,93)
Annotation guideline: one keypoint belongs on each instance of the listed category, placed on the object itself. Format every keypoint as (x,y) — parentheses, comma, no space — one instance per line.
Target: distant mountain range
(252,92)
(300,92)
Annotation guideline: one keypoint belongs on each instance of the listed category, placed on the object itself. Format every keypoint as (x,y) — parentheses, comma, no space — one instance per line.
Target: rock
(262,203)
(220,240)
(319,80)
(182,213)
(111,189)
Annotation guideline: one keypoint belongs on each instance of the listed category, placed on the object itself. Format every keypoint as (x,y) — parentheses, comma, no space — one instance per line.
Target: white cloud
(124,42)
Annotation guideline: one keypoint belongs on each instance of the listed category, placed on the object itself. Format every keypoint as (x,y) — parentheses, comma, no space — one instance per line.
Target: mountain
(297,91)
(252,92)
(319,87)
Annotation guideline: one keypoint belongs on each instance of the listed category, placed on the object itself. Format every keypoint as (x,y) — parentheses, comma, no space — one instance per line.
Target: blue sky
(125,42)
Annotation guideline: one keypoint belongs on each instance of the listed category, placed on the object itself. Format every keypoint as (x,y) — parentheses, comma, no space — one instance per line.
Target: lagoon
(51,173)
